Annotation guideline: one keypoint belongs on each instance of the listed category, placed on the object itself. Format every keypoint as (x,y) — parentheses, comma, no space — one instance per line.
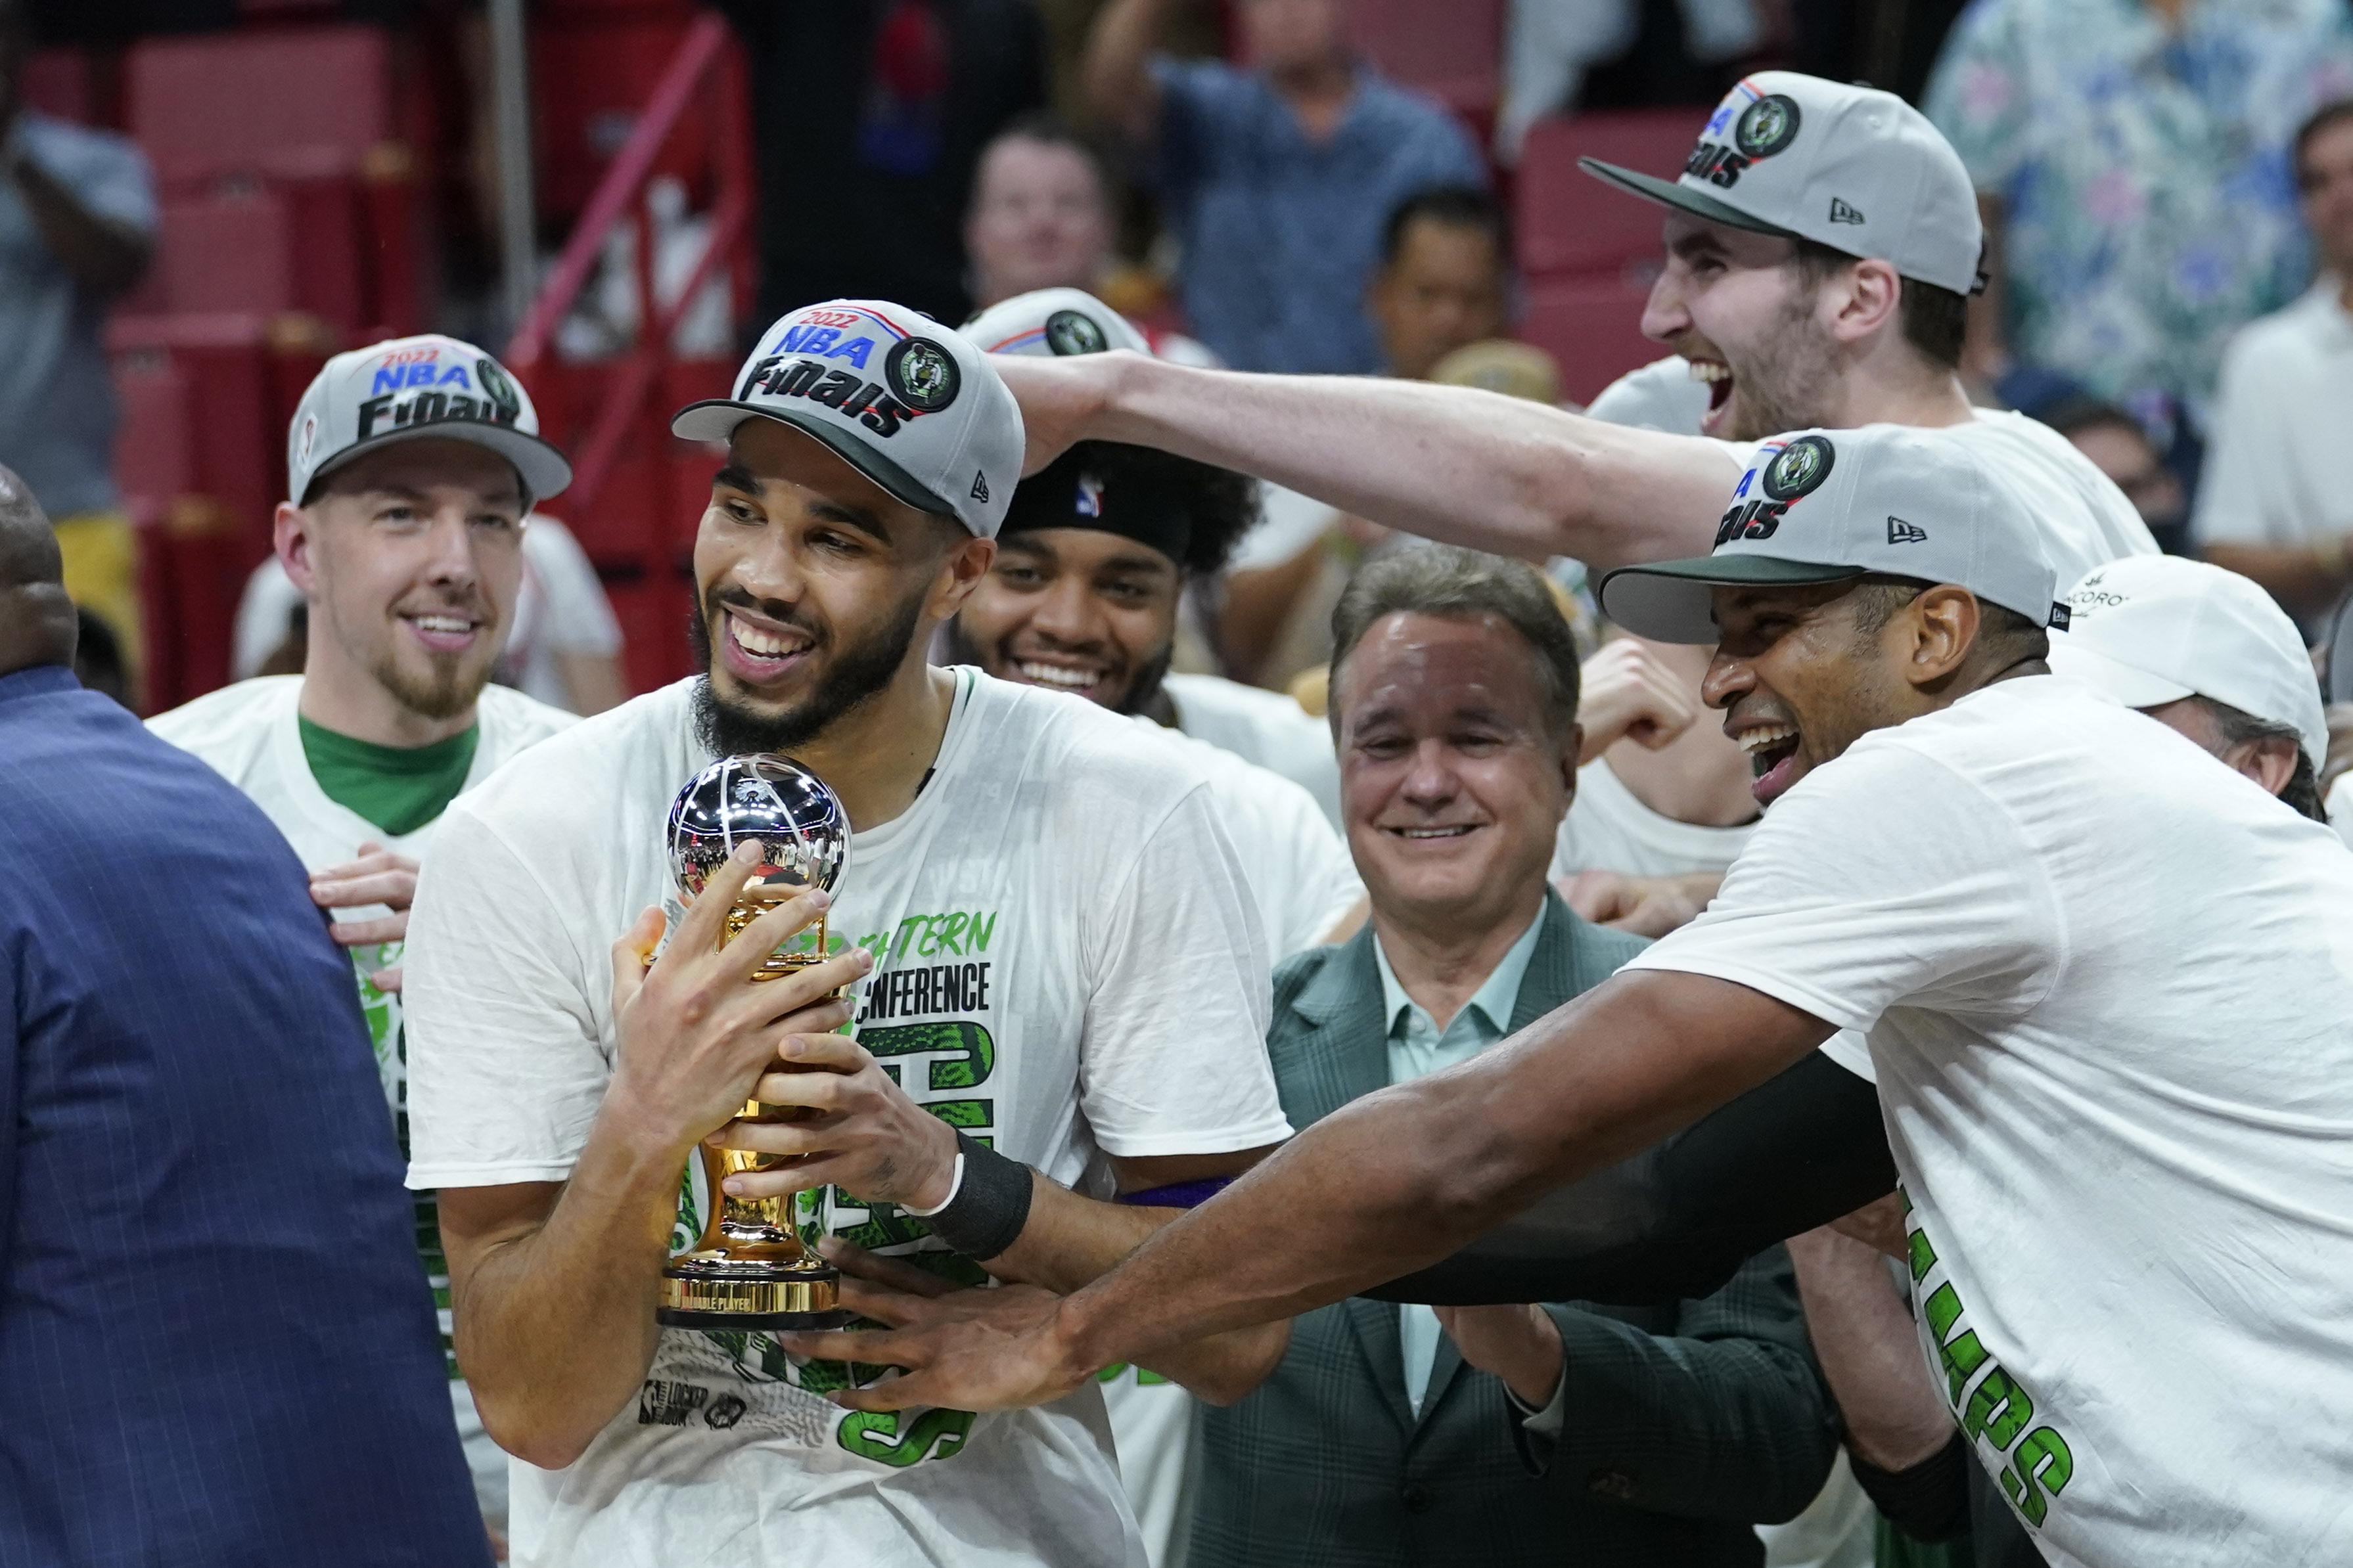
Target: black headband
(1073,492)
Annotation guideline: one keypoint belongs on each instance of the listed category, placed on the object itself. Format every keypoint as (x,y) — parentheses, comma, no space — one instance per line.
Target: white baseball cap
(1047,322)
(1822,506)
(2152,629)
(409,388)
(1854,168)
(910,403)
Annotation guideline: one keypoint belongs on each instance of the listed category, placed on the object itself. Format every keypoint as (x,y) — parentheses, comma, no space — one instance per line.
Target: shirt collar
(1496,995)
(37,680)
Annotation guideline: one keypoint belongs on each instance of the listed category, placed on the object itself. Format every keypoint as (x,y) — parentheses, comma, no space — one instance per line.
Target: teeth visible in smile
(443,623)
(1454,832)
(765,644)
(1708,370)
(1055,675)
(1755,741)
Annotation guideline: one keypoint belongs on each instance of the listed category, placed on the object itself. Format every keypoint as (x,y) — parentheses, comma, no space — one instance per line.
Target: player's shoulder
(512,721)
(231,728)
(583,776)
(1211,702)
(1242,787)
(1077,753)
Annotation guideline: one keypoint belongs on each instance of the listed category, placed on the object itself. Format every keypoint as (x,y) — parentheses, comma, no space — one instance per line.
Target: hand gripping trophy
(748,1269)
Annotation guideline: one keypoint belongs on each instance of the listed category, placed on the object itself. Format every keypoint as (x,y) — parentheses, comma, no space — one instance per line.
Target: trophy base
(712,1291)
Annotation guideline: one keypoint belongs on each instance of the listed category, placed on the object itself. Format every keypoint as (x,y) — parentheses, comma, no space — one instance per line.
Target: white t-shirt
(1068,962)
(1660,395)
(1269,728)
(561,609)
(2108,987)
(1609,830)
(2281,427)
(2086,521)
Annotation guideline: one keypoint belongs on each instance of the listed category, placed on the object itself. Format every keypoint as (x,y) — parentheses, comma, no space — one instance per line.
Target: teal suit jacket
(1685,1424)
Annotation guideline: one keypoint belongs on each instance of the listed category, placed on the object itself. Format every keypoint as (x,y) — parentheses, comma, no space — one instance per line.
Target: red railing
(706,61)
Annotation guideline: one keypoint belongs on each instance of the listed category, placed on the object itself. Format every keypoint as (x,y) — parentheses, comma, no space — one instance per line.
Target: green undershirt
(397,788)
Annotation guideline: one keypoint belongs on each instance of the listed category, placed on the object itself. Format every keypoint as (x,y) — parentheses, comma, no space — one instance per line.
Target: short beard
(854,677)
(1792,384)
(1143,687)
(449,691)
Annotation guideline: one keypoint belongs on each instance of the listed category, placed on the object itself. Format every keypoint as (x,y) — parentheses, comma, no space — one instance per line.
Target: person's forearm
(1404,1176)
(105,257)
(555,1326)
(1870,1351)
(2306,578)
(1449,463)
(1116,73)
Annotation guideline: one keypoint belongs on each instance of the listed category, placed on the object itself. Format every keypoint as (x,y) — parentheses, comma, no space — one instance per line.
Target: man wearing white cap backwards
(411,468)
(2105,992)
(1821,247)
(2206,652)
(1056,970)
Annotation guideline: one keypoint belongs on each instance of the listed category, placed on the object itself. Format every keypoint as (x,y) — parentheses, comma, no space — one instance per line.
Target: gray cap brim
(715,419)
(1672,194)
(1668,601)
(543,470)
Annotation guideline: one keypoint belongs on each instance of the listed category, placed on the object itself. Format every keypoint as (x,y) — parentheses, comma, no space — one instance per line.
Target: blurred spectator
(1407,1435)
(2132,161)
(2120,447)
(870,117)
(1041,213)
(1551,45)
(2272,504)
(1276,178)
(1444,282)
(563,645)
(1516,370)
(76,228)
(215,1343)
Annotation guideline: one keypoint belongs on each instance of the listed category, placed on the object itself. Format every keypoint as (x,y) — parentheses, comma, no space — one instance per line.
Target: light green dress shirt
(1419,1046)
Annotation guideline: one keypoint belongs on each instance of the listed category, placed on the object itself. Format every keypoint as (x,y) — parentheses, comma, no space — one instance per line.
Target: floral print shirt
(2146,174)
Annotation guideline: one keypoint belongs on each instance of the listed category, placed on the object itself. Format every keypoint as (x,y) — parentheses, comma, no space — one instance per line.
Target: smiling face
(1077,610)
(1801,675)
(411,557)
(817,589)
(1452,779)
(1736,306)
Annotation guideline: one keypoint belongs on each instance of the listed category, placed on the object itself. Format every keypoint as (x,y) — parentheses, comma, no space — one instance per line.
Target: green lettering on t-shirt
(397,788)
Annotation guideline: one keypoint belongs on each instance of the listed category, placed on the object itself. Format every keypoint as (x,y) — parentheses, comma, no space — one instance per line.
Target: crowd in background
(2167,187)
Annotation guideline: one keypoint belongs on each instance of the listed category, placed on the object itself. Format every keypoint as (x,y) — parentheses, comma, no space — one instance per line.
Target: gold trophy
(748,1269)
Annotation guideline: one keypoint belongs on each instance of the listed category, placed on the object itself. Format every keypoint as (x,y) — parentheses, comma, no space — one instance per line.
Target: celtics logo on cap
(1799,468)
(492,380)
(1766,126)
(922,374)
(1069,332)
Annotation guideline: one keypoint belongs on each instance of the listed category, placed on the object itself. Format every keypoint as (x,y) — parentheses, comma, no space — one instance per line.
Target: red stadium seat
(309,103)
(1569,222)
(1592,326)
(1454,52)
(63,85)
(591,75)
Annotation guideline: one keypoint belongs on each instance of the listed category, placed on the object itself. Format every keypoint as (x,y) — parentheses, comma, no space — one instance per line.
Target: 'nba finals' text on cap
(1824,506)
(409,388)
(2153,629)
(1047,322)
(910,403)
(1851,167)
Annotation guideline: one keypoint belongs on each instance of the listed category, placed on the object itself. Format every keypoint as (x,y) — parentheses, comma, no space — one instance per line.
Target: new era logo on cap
(1828,505)
(1858,170)
(908,403)
(409,388)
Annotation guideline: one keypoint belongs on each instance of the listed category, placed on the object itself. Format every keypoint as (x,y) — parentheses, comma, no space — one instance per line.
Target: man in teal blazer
(1559,1434)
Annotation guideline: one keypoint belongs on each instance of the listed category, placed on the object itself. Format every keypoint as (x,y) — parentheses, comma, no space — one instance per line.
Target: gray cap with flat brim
(1852,168)
(414,389)
(1825,506)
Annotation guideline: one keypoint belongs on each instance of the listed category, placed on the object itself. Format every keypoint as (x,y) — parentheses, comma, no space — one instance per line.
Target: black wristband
(991,1202)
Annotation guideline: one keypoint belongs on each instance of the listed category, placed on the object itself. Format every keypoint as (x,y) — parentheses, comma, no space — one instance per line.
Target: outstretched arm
(1449,463)
(1394,1182)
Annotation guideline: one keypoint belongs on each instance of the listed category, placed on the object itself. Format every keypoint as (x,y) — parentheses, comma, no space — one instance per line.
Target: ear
(1865,298)
(293,531)
(2270,761)
(961,570)
(1942,627)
